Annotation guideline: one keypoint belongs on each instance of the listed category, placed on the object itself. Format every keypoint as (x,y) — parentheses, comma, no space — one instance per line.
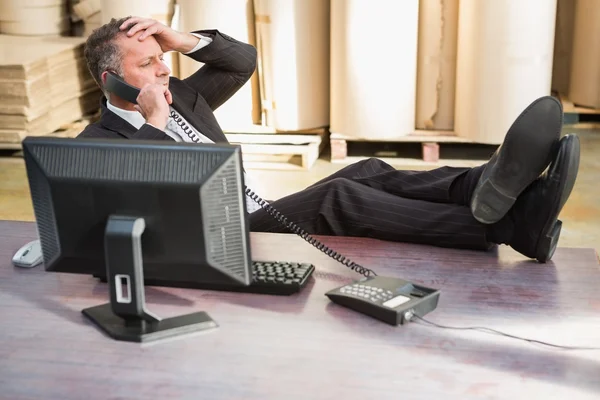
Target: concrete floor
(581,215)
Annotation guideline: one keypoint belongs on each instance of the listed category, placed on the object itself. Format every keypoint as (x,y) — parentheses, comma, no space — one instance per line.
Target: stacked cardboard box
(34,17)
(44,84)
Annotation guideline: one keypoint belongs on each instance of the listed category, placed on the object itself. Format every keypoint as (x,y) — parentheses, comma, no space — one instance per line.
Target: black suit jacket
(228,65)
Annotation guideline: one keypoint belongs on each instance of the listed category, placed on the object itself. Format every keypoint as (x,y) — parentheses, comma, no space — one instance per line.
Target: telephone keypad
(375,294)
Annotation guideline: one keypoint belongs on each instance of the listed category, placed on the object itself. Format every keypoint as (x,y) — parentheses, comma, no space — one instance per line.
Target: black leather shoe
(535,213)
(528,148)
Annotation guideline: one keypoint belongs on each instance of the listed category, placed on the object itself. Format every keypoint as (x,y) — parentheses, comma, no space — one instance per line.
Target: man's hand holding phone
(153,103)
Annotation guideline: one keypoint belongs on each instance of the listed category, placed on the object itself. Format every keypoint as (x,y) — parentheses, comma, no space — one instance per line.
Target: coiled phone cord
(306,236)
(188,131)
(366,272)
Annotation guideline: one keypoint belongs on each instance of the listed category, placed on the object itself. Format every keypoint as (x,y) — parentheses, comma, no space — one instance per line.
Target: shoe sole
(495,195)
(490,203)
(547,245)
(548,241)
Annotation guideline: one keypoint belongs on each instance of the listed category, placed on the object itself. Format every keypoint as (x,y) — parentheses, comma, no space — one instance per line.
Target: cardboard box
(66,113)
(563,46)
(436,64)
(43,53)
(45,87)
(584,87)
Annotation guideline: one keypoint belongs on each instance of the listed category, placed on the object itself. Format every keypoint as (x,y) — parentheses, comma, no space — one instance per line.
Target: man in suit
(515,198)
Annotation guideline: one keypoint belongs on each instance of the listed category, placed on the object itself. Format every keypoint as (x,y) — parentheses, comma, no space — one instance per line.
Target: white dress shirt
(174,130)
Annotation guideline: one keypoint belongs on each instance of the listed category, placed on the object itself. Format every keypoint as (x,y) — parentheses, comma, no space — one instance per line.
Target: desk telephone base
(391,300)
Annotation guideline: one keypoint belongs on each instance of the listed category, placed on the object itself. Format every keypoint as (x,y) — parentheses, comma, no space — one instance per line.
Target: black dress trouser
(373,199)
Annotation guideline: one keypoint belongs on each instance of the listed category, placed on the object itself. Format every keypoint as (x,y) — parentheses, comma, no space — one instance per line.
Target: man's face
(143,61)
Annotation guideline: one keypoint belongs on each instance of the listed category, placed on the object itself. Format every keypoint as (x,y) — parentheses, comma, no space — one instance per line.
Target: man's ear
(103,77)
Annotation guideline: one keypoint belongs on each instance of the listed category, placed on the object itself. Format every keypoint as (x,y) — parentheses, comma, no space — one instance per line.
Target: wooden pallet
(570,108)
(577,116)
(430,142)
(280,150)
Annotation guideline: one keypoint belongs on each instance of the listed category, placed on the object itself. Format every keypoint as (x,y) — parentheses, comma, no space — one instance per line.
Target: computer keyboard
(280,277)
(268,277)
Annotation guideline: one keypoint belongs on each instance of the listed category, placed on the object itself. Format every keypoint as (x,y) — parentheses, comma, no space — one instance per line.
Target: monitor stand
(125,317)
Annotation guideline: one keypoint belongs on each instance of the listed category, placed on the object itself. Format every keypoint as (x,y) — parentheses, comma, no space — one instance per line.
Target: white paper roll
(584,85)
(373,67)
(292,36)
(119,9)
(234,18)
(13,12)
(157,9)
(34,18)
(504,62)
(5,4)
(36,27)
(160,10)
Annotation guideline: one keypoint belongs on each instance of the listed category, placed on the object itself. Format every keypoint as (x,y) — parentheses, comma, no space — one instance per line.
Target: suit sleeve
(228,65)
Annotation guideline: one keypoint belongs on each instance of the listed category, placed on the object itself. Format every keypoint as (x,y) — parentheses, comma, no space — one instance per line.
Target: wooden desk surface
(304,346)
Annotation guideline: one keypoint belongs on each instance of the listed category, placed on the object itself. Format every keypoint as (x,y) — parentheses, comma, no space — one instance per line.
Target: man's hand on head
(168,38)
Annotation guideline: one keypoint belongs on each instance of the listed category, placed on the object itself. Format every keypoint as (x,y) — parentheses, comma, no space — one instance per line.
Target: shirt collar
(133,117)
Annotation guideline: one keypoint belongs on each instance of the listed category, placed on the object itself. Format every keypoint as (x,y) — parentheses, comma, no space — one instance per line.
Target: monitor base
(126,317)
(143,331)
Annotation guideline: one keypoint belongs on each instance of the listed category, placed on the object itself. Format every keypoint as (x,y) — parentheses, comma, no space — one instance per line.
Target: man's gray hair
(102,52)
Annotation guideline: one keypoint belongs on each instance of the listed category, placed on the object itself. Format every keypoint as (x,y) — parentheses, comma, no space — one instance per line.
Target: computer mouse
(29,255)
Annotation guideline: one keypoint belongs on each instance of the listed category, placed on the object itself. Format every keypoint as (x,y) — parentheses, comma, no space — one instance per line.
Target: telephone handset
(115,84)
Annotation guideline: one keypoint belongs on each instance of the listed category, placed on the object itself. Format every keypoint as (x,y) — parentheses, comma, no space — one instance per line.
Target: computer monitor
(134,210)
